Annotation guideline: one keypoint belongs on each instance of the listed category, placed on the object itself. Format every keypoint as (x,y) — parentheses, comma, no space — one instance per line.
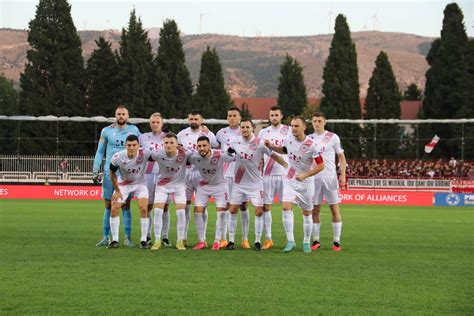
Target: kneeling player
(210,165)
(170,182)
(132,165)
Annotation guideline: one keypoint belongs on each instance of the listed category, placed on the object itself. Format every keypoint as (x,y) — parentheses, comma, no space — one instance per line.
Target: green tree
(137,72)
(291,88)
(341,87)
(53,80)
(467,108)
(383,102)
(102,80)
(8,106)
(444,88)
(172,73)
(412,93)
(8,97)
(211,96)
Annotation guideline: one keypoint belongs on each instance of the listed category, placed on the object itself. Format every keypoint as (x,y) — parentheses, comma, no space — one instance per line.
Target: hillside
(251,64)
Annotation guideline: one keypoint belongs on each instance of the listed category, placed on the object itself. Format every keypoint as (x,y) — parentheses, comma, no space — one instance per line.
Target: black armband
(285,150)
(113,168)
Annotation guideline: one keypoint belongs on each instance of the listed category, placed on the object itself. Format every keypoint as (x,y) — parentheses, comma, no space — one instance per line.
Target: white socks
(144,224)
(199,220)
(232,227)
(288,224)
(245,220)
(258,228)
(187,219)
(166,224)
(220,222)
(316,229)
(336,228)
(181,223)
(204,218)
(114,227)
(158,223)
(150,223)
(226,224)
(307,228)
(267,223)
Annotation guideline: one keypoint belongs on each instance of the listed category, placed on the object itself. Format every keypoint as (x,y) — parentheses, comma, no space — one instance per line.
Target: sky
(252,18)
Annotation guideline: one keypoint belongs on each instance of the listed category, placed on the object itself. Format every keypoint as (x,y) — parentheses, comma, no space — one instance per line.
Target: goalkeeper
(112,140)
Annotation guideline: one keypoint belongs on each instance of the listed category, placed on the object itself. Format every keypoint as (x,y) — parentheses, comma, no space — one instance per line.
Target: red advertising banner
(51,192)
(387,197)
(54,192)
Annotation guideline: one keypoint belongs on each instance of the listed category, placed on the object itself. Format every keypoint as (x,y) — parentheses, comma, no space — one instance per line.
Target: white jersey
(301,156)
(152,142)
(330,145)
(248,157)
(211,169)
(276,136)
(132,170)
(225,136)
(172,168)
(188,138)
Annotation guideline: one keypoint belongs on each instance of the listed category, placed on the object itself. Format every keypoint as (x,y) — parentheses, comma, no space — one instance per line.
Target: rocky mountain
(251,64)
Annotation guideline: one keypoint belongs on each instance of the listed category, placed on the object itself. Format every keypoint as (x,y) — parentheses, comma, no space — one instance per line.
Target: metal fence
(38,168)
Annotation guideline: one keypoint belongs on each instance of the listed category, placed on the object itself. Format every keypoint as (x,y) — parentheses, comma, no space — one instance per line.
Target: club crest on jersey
(214,160)
(180,158)
(284,130)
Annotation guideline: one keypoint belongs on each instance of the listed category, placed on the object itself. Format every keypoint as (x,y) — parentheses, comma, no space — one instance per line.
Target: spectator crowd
(385,168)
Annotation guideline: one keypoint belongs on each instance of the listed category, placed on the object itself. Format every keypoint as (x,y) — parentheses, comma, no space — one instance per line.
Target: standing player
(112,140)
(273,173)
(188,139)
(132,165)
(299,183)
(170,182)
(326,183)
(248,182)
(225,136)
(210,164)
(154,141)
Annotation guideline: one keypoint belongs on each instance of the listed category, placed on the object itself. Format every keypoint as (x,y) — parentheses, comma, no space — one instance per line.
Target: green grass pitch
(395,260)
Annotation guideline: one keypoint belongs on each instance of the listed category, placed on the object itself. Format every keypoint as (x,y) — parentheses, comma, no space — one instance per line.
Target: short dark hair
(299,117)
(319,114)
(246,119)
(195,112)
(132,138)
(234,108)
(276,108)
(171,135)
(205,138)
(121,106)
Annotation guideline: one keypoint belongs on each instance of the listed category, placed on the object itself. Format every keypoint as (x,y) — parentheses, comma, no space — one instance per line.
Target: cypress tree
(53,80)
(341,87)
(211,96)
(137,72)
(8,106)
(171,67)
(444,82)
(467,108)
(291,88)
(102,80)
(412,93)
(383,102)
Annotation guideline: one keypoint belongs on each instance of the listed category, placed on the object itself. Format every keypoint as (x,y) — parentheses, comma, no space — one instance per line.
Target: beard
(194,125)
(121,122)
